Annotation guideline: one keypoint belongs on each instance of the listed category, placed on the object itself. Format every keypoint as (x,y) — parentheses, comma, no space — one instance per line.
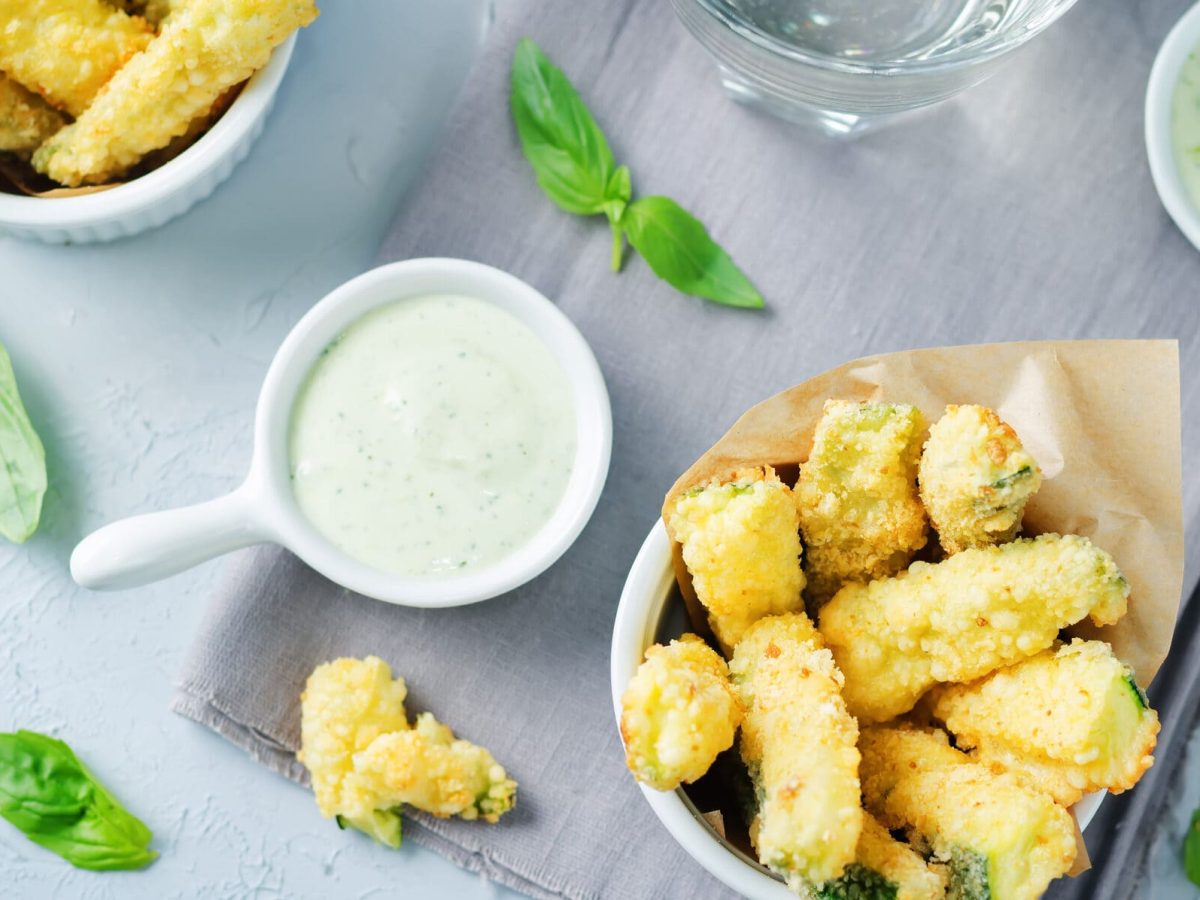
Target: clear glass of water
(845,66)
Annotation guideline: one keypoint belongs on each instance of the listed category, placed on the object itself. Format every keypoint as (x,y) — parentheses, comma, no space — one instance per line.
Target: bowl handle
(142,549)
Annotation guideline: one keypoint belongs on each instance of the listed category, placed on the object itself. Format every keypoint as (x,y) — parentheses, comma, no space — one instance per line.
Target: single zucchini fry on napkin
(66,50)
(1001,840)
(204,48)
(857,495)
(798,743)
(959,619)
(366,762)
(741,545)
(1070,720)
(25,118)
(678,713)
(976,478)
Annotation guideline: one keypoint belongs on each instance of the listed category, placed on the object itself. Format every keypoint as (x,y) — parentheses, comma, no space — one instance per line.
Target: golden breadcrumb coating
(365,762)
(961,618)
(975,478)
(885,867)
(345,705)
(678,713)
(66,50)
(204,48)
(25,118)
(1001,840)
(1070,720)
(741,544)
(859,511)
(798,743)
(428,768)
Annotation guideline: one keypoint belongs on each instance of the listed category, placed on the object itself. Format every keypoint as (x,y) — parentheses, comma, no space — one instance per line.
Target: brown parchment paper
(1100,417)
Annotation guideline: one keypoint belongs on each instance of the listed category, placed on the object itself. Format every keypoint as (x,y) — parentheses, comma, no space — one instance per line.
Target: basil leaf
(1191,850)
(48,794)
(559,137)
(22,462)
(679,250)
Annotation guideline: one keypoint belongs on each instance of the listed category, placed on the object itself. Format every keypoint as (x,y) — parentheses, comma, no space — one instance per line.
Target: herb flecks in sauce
(435,435)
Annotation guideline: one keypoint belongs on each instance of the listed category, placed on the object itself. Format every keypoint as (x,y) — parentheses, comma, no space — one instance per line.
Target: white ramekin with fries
(164,193)
(651,611)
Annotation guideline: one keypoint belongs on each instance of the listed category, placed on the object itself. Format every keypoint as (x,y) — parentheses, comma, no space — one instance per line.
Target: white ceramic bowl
(149,547)
(1183,39)
(159,196)
(648,602)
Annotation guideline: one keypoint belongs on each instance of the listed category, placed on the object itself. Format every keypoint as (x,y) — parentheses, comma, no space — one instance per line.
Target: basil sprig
(575,167)
(22,462)
(1191,850)
(48,794)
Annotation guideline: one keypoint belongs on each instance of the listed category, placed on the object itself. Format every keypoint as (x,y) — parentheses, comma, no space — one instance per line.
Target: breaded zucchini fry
(798,743)
(428,768)
(1070,720)
(25,118)
(884,869)
(346,705)
(678,713)
(857,495)
(204,48)
(957,620)
(1001,840)
(366,763)
(66,50)
(741,544)
(975,478)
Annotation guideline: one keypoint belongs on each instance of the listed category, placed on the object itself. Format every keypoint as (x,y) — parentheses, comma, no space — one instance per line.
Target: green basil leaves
(1191,850)
(575,167)
(48,794)
(22,462)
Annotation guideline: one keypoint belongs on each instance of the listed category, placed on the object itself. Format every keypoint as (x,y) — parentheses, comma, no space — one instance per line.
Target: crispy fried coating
(365,762)
(857,495)
(884,867)
(1001,840)
(66,50)
(204,48)
(741,544)
(25,118)
(798,743)
(428,768)
(678,713)
(1069,720)
(346,704)
(975,478)
(959,619)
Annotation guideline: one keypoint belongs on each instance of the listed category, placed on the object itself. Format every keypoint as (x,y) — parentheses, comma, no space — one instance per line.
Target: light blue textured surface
(140,362)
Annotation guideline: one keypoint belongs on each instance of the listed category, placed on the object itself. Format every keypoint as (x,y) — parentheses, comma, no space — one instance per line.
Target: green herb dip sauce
(436,434)
(1185,125)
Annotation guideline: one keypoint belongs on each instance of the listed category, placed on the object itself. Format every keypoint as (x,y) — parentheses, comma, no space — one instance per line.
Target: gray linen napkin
(1023,211)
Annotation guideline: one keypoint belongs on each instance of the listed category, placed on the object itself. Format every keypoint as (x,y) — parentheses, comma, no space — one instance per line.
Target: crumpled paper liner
(1100,417)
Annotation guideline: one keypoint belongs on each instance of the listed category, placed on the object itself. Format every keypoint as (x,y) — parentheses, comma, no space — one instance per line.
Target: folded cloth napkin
(1022,211)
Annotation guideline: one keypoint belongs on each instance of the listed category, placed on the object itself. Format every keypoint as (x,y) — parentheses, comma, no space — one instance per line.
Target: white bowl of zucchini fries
(849,676)
(128,112)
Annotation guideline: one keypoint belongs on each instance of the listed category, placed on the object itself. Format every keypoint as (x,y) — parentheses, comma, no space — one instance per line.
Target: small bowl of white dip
(434,432)
(1173,124)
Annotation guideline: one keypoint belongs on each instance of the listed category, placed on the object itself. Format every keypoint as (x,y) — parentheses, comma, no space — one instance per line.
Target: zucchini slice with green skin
(1069,720)
(884,869)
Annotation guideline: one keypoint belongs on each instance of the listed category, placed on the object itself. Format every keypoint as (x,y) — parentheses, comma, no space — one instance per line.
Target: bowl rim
(169,179)
(1182,40)
(645,594)
(280,514)
(946,63)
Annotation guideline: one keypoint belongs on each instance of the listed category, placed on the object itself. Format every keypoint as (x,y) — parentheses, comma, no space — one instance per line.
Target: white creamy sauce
(436,434)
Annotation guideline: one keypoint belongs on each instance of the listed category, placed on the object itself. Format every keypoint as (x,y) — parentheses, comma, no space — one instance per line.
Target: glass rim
(967,58)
